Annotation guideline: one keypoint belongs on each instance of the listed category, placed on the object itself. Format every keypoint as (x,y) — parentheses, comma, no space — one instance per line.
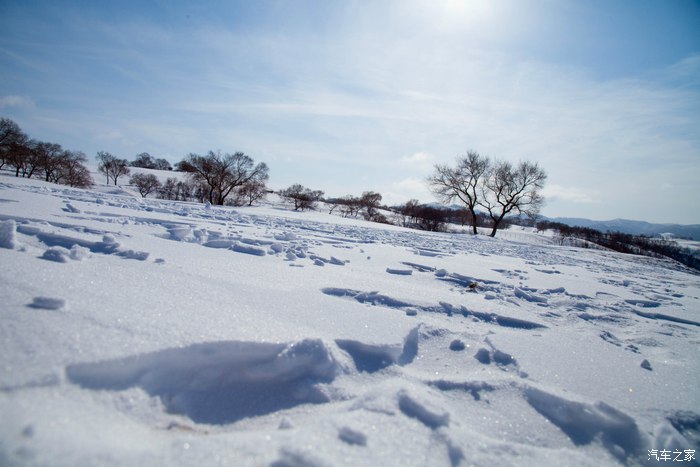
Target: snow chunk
(520,293)
(643,303)
(427,416)
(108,239)
(132,254)
(47,303)
(70,208)
(285,424)
(295,458)
(483,356)
(336,261)
(351,436)
(180,233)
(277,248)
(78,253)
(57,254)
(400,272)
(285,237)
(8,234)
(457,345)
(225,243)
(249,250)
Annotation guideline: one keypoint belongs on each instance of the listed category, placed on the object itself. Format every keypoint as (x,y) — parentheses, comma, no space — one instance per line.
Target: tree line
(489,191)
(33,158)
(623,243)
(215,178)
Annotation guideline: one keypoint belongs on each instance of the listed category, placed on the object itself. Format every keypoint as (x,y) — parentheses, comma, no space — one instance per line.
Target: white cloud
(570,194)
(406,189)
(418,160)
(16,101)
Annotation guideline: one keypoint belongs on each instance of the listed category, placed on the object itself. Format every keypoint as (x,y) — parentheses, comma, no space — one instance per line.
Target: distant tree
(421,216)
(143,160)
(431,218)
(146,161)
(462,182)
(349,205)
(510,189)
(31,158)
(112,167)
(72,170)
(18,156)
(222,174)
(406,213)
(162,164)
(146,184)
(370,202)
(253,191)
(168,189)
(48,157)
(301,197)
(11,137)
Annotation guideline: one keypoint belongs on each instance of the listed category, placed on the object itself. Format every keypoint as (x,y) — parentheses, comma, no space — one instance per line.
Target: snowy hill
(634,227)
(150,332)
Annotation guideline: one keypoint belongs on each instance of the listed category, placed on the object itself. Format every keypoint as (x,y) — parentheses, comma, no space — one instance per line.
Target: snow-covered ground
(150,332)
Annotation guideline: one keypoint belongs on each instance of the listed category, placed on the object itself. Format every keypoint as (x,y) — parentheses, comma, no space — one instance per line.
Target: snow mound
(583,423)
(220,382)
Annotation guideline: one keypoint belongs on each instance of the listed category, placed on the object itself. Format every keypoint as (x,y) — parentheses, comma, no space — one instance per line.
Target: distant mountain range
(634,227)
(619,225)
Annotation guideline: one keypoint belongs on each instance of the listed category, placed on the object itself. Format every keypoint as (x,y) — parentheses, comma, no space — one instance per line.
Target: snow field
(154,332)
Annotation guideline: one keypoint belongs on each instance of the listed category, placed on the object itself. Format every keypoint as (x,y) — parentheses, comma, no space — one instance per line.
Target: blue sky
(349,96)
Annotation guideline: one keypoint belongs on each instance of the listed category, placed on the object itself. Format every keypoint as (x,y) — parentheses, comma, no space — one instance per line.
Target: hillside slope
(149,332)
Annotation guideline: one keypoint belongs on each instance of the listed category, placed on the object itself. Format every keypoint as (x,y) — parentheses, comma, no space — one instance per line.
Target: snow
(148,332)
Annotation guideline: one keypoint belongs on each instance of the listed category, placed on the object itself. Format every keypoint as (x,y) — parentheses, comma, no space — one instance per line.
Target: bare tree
(301,197)
(17,155)
(222,174)
(254,190)
(143,160)
(145,183)
(162,164)
(370,202)
(111,166)
(507,189)
(11,137)
(72,170)
(168,189)
(461,182)
(349,205)
(24,157)
(48,156)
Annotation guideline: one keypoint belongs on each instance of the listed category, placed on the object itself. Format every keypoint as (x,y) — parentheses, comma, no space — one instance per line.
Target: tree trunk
(496,223)
(471,209)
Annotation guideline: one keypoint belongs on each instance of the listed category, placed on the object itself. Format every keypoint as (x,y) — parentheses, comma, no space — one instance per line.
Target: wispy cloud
(570,194)
(16,101)
(349,97)
(419,160)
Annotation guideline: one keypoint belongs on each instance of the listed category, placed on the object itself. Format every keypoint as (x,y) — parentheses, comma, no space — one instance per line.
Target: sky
(352,96)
